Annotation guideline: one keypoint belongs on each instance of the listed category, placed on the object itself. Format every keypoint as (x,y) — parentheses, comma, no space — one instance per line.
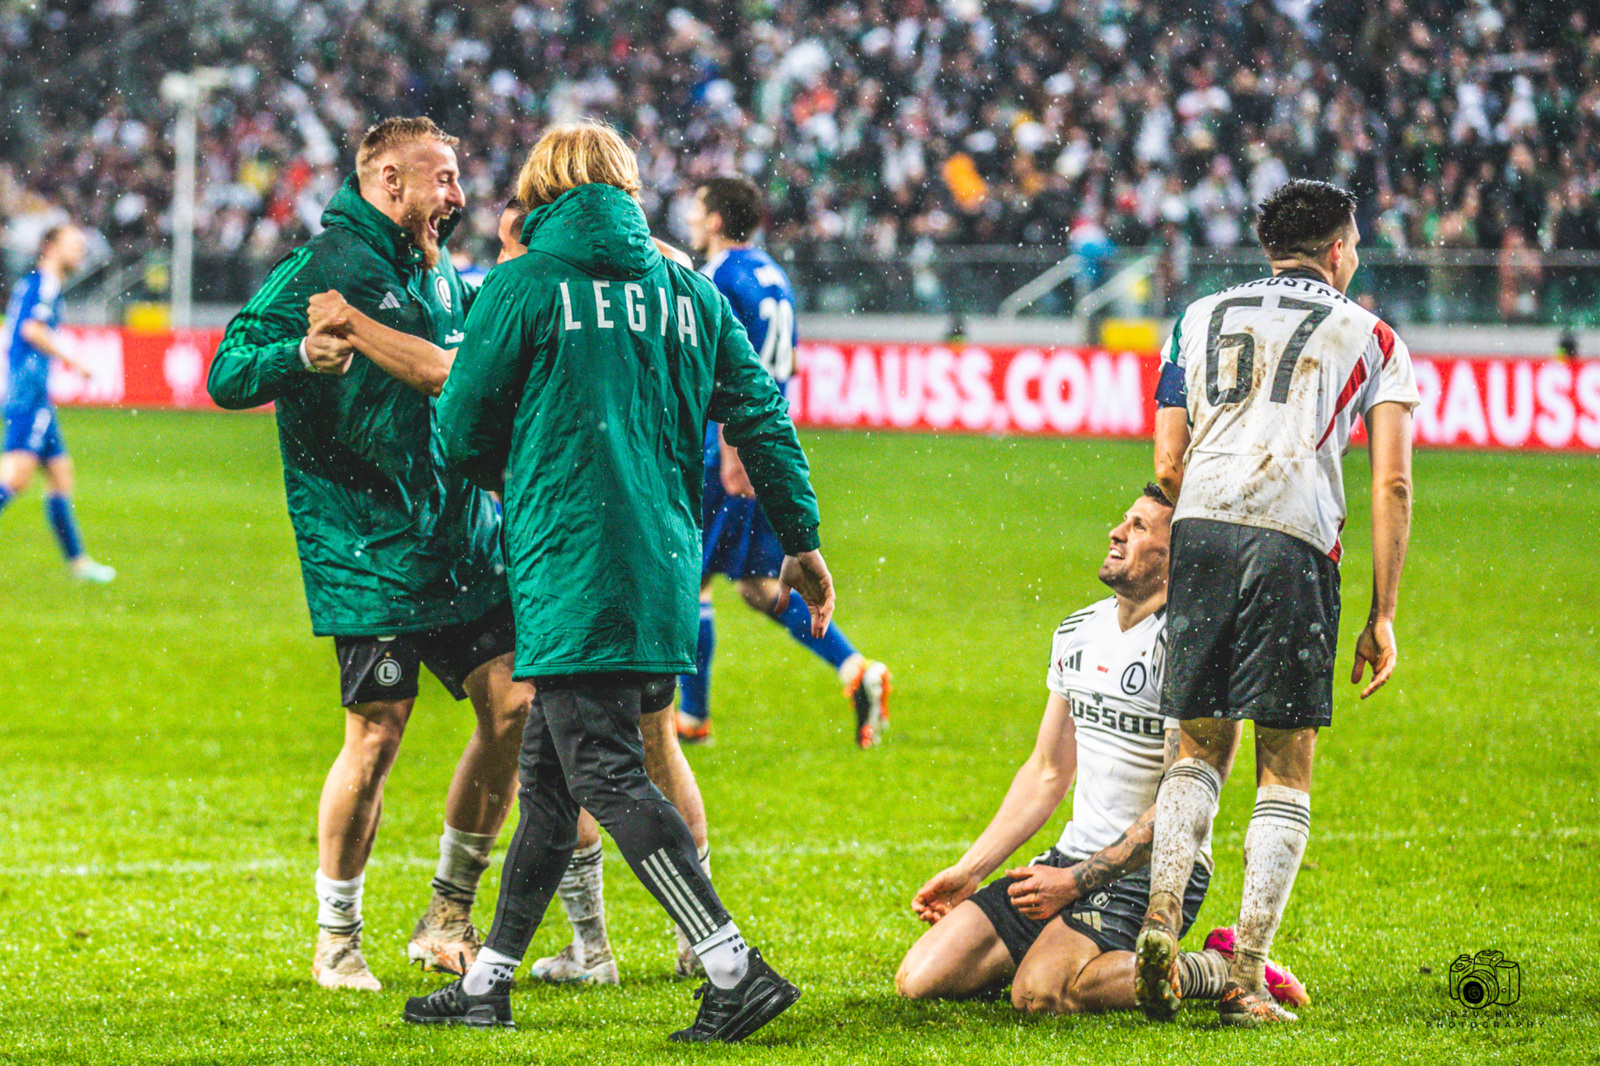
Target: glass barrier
(1525,287)
(1432,286)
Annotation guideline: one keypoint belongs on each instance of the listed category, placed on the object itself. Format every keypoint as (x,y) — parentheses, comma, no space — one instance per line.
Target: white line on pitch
(836,849)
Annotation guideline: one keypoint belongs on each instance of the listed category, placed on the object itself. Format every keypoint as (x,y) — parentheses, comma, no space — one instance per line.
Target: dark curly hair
(1303,217)
(738,201)
(1152,490)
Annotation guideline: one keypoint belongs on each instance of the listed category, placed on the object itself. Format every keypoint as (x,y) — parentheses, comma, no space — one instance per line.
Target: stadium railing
(1408,287)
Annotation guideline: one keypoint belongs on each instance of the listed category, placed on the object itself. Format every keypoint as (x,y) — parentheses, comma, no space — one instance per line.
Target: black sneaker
(452,1005)
(731,1014)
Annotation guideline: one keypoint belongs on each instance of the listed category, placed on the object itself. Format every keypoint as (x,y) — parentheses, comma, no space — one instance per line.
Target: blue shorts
(738,540)
(34,429)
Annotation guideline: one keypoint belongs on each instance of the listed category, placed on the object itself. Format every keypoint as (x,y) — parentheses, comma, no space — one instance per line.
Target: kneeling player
(1103,725)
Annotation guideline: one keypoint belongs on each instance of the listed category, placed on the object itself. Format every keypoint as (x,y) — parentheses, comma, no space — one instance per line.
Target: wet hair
(738,201)
(1303,217)
(573,154)
(1153,491)
(393,132)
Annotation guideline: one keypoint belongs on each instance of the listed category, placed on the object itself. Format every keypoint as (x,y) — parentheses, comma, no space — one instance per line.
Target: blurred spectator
(875,124)
(1520,272)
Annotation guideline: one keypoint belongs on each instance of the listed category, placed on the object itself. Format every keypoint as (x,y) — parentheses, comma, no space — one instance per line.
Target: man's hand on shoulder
(1040,892)
(677,255)
(942,892)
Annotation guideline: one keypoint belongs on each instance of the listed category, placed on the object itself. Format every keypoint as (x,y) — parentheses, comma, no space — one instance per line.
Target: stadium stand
(1096,125)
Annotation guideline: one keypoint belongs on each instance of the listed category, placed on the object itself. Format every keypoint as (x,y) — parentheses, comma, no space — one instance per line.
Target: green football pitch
(164,740)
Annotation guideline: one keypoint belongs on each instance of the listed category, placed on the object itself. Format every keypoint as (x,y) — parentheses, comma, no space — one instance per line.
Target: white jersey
(1112,681)
(1276,371)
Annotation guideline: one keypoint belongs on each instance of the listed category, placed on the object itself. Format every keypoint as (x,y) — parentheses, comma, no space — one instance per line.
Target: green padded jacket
(583,387)
(390,540)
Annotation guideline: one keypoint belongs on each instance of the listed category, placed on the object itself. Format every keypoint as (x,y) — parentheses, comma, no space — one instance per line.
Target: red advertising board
(134,369)
(1543,404)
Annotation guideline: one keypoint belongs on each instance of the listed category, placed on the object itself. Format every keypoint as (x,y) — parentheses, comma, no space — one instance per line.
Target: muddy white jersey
(1112,681)
(1274,374)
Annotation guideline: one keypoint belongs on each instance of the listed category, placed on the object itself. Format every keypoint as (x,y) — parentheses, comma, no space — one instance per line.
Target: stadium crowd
(879,123)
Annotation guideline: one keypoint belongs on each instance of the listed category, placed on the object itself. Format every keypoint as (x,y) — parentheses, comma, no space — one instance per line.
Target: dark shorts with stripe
(388,667)
(1111,917)
(1252,626)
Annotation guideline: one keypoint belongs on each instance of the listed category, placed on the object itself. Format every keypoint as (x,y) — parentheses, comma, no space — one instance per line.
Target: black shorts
(1111,917)
(1252,626)
(656,691)
(387,668)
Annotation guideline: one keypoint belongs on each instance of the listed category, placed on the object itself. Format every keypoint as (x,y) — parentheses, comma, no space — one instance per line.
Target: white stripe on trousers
(670,881)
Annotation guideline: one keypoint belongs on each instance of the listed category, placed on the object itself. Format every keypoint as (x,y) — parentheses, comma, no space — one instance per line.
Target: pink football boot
(1284,986)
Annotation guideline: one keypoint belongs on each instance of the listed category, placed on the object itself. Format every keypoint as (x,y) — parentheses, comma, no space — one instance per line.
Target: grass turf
(165,738)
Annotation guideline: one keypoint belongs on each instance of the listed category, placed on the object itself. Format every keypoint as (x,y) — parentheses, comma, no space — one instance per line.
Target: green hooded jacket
(390,540)
(583,387)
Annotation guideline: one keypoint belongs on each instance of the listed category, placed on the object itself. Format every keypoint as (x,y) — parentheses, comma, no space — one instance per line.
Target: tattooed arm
(1041,891)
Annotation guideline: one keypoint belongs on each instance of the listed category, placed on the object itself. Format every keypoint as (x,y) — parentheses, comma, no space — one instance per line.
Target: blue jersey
(759,292)
(36,298)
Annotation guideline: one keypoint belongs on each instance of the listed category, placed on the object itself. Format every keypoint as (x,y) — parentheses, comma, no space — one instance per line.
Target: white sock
(339,903)
(583,897)
(704,855)
(725,956)
(1273,847)
(851,667)
(462,859)
(1202,974)
(491,966)
(1185,807)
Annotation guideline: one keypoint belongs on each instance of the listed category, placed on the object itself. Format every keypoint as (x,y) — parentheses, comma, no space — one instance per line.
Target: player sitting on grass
(33,435)
(739,541)
(1061,930)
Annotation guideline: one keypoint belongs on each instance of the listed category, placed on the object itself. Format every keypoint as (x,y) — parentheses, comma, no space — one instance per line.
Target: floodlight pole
(187,91)
(184,137)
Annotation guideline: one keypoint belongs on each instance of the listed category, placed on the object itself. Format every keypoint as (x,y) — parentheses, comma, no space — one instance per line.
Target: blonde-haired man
(581,392)
(401,558)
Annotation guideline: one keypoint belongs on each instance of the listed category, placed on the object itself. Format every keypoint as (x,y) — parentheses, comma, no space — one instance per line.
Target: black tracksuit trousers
(582,748)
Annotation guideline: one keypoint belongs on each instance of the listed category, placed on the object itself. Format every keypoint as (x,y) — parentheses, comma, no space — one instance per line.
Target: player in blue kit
(739,543)
(33,435)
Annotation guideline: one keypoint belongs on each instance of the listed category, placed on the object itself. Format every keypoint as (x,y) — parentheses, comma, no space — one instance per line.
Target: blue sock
(696,687)
(833,646)
(6,496)
(59,510)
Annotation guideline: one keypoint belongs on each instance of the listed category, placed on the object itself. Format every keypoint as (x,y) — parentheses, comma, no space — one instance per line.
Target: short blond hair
(391,133)
(573,154)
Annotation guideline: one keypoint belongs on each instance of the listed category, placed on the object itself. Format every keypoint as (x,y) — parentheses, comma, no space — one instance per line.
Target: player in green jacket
(582,391)
(400,556)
